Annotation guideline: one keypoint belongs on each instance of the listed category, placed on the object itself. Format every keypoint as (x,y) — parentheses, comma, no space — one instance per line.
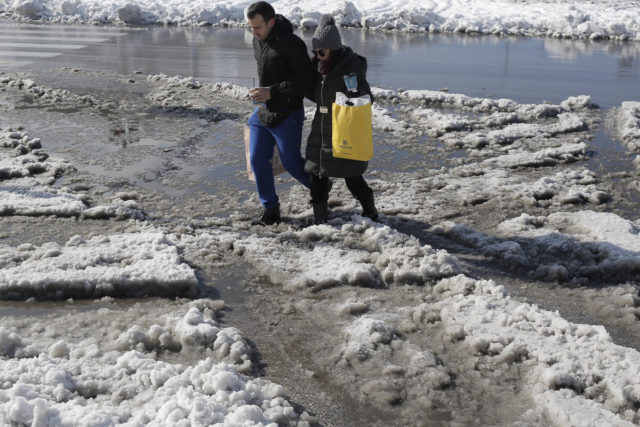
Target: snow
(27,177)
(381,354)
(578,359)
(611,19)
(629,124)
(575,374)
(384,256)
(561,246)
(126,264)
(86,382)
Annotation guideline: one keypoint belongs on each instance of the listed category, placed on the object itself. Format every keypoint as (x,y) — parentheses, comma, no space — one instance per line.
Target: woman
(334,62)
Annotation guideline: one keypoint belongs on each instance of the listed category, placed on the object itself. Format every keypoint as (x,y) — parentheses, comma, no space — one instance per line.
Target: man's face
(259,28)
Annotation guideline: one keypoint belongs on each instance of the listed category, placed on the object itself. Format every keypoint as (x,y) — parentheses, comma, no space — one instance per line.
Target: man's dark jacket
(283,66)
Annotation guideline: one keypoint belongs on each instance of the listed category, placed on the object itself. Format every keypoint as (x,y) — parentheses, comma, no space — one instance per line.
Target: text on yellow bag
(352,135)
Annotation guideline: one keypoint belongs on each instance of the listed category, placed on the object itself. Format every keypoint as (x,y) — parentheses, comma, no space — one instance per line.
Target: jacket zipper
(321,126)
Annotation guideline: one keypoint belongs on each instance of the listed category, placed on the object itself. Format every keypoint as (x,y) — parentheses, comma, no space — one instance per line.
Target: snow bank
(629,124)
(80,383)
(548,157)
(463,102)
(569,365)
(455,191)
(36,200)
(133,264)
(487,127)
(195,330)
(584,226)
(439,99)
(567,123)
(562,246)
(580,19)
(471,330)
(356,253)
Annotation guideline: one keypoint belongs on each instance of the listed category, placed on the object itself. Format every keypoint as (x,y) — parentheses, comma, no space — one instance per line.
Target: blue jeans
(288,137)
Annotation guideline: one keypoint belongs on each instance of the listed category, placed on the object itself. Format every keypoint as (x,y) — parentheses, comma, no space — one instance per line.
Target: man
(284,69)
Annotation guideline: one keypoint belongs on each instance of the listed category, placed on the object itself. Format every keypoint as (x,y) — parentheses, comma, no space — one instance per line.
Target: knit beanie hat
(327,35)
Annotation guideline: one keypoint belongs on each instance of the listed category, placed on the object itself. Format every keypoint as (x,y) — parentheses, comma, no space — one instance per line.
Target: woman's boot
(368,207)
(320,212)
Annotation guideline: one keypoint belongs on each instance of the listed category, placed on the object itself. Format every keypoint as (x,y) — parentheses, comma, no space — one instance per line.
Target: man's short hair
(261,8)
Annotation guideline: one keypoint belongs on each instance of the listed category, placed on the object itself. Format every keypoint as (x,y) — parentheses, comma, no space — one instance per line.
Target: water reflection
(525,69)
(570,50)
(205,53)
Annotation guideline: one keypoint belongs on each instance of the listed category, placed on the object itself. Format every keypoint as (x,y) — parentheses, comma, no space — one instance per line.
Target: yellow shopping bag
(352,135)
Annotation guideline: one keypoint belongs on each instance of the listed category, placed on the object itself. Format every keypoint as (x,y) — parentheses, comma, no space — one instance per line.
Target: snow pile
(487,127)
(227,89)
(585,226)
(629,124)
(569,365)
(195,330)
(175,81)
(46,96)
(619,304)
(10,342)
(126,264)
(463,102)
(184,95)
(567,123)
(547,157)
(483,184)
(364,337)
(79,383)
(137,390)
(37,200)
(580,19)
(21,156)
(505,113)
(401,370)
(574,187)
(562,246)
(231,90)
(133,14)
(27,175)
(355,253)
(399,356)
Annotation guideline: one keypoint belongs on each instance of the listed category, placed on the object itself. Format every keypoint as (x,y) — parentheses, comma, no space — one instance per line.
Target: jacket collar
(282,26)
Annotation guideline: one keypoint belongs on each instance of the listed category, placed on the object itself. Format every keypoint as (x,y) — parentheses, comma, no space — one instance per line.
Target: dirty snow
(91,383)
(523,174)
(27,175)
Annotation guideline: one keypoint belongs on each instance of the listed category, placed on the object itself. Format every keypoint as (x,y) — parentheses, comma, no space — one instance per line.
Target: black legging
(356,185)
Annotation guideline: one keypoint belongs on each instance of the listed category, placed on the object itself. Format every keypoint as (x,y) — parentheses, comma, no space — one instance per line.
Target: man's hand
(260,94)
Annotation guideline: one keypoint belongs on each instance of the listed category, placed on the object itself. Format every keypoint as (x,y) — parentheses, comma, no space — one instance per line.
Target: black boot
(320,213)
(368,207)
(269,216)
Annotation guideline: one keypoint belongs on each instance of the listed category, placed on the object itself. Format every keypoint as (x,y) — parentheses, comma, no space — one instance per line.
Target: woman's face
(322,54)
